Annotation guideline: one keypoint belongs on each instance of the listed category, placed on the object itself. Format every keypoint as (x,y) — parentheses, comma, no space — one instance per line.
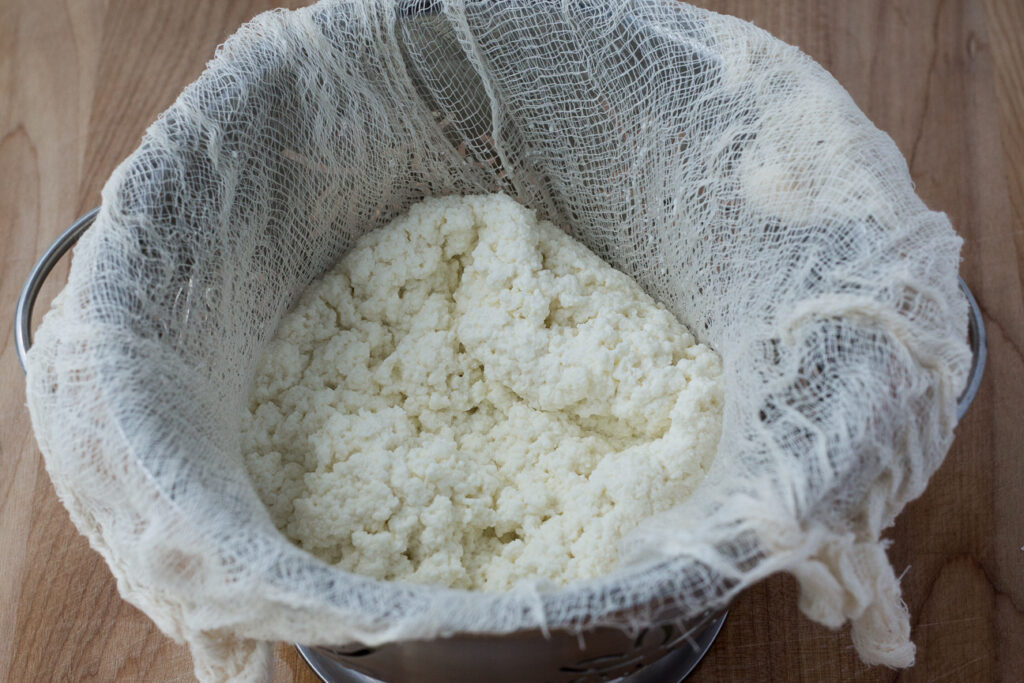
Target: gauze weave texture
(725,171)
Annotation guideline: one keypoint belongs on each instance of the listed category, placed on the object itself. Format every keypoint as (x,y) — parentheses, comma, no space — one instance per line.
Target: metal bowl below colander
(660,653)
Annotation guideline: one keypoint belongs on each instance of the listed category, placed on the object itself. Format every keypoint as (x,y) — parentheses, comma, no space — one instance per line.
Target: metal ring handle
(42,268)
(979,352)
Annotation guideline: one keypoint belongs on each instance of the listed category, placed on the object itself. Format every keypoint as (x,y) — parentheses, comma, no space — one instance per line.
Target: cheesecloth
(725,171)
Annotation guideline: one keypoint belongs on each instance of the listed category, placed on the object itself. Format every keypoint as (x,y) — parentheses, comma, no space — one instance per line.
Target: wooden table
(79,82)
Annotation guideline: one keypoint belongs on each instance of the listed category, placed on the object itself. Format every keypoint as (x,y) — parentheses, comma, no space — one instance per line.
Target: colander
(665,650)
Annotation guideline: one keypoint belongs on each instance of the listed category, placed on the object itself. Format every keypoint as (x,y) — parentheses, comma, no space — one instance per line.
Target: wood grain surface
(80,81)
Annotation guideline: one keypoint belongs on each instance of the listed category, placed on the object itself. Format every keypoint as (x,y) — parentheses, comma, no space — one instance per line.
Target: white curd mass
(470,397)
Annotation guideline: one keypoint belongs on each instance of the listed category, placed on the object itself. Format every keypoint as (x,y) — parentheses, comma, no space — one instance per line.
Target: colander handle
(42,268)
(979,352)
(36,278)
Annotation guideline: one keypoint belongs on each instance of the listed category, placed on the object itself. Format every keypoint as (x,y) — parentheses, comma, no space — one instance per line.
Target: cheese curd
(471,398)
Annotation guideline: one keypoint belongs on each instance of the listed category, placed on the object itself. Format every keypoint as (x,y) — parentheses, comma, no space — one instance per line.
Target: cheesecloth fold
(725,171)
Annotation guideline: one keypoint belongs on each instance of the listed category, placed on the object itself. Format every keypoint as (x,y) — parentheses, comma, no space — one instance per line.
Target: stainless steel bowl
(661,653)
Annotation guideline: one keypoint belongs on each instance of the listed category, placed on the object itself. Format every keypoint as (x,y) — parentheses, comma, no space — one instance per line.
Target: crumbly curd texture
(471,398)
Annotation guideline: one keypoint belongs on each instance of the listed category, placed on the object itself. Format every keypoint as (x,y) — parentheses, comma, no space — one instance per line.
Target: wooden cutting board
(80,81)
